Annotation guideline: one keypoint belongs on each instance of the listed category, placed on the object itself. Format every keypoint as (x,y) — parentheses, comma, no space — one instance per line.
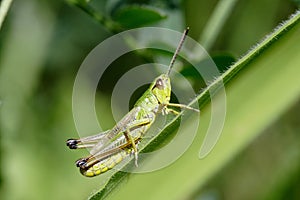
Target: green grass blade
(216,22)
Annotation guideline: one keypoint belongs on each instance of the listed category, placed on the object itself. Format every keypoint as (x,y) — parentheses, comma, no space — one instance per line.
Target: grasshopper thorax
(161,89)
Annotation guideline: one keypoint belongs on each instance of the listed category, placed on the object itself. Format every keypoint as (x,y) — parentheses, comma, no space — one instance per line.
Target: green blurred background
(42,44)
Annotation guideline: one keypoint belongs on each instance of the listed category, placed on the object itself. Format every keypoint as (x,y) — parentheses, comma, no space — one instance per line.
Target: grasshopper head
(161,88)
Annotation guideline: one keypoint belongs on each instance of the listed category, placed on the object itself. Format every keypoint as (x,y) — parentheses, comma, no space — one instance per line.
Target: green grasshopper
(110,147)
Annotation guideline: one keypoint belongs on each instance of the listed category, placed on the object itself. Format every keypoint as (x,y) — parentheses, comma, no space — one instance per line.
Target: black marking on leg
(81,163)
(72,143)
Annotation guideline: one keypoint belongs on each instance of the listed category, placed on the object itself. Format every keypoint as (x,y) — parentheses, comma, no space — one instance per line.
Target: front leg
(167,110)
(181,106)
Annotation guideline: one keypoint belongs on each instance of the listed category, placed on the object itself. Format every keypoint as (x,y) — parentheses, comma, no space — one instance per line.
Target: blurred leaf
(246,118)
(297,2)
(223,61)
(245,26)
(135,16)
(97,15)
(77,2)
(216,21)
(4,7)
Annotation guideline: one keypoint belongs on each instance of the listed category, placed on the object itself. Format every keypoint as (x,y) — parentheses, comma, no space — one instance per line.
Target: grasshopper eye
(159,84)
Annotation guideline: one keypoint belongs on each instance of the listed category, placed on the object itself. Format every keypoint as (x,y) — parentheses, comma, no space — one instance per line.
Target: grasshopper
(110,147)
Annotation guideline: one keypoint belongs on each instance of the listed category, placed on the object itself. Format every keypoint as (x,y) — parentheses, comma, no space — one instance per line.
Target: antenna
(178,49)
